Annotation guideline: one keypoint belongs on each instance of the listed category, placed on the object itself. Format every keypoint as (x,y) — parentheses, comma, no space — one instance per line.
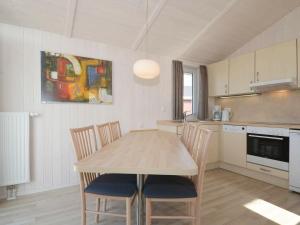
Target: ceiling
(201,31)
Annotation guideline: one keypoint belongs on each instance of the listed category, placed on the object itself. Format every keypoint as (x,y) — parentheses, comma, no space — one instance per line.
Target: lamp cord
(147,28)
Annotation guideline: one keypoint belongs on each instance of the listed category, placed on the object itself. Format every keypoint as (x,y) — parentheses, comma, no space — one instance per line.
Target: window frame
(192,75)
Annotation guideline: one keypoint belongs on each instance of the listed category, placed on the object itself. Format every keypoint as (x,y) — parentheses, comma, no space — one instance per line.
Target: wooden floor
(225,197)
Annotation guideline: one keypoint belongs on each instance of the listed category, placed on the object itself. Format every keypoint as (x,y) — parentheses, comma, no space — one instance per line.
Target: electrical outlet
(11,192)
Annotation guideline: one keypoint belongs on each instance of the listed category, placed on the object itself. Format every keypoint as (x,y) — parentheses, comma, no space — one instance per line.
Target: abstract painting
(69,78)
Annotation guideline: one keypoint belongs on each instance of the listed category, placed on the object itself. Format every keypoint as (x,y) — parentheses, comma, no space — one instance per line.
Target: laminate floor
(229,199)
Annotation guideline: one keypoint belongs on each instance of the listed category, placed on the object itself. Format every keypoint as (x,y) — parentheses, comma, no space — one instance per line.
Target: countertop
(242,123)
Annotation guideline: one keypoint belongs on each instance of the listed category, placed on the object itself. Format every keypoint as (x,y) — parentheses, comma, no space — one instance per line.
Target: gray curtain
(177,90)
(203,94)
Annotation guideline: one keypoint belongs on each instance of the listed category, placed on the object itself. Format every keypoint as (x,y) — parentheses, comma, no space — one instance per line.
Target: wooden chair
(115,130)
(104,134)
(85,144)
(185,133)
(190,140)
(180,189)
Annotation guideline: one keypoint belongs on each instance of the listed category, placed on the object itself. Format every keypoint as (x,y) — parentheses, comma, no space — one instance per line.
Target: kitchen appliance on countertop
(268,146)
(226,114)
(217,113)
(294,170)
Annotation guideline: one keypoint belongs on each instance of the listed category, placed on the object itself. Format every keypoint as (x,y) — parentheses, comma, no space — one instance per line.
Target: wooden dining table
(141,153)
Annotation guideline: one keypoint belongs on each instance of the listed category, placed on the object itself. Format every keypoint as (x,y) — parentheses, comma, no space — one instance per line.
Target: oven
(268,147)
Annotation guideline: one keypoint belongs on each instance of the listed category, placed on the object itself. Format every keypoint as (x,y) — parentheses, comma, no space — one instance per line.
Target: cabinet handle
(265,170)
(257,76)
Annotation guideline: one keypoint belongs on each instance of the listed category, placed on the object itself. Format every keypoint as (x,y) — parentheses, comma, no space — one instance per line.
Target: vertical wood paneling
(52,156)
(284,30)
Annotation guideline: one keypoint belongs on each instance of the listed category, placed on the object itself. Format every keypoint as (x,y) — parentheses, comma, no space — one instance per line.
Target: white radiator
(14,148)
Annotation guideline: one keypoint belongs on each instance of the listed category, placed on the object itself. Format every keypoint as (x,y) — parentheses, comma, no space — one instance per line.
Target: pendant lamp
(146,68)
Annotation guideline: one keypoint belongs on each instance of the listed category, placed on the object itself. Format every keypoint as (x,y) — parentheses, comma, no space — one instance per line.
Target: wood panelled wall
(136,103)
(283,30)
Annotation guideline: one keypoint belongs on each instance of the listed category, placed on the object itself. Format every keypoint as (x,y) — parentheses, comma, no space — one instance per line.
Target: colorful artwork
(68,78)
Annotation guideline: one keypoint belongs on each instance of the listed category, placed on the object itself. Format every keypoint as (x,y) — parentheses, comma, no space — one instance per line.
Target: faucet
(184,116)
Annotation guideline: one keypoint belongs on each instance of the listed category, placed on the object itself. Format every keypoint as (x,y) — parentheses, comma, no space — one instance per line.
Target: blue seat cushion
(160,186)
(121,185)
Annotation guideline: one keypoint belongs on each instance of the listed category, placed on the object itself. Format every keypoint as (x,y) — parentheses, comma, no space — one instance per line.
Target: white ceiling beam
(152,18)
(208,25)
(70,17)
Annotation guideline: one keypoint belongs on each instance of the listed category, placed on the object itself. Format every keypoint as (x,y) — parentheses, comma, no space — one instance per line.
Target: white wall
(286,29)
(136,104)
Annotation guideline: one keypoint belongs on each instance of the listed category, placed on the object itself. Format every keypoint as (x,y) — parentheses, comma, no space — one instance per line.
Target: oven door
(268,150)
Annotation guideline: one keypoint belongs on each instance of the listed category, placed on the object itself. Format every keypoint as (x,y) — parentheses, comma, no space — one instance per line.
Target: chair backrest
(85,144)
(185,133)
(200,156)
(115,130)
(104,134)
(191,139)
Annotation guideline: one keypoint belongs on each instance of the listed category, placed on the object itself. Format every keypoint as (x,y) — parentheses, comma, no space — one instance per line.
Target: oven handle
(266,137)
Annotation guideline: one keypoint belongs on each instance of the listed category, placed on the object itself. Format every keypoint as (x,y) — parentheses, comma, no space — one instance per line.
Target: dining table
(145,152)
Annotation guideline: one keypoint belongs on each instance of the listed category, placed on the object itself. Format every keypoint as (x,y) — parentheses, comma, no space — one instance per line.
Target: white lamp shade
(146,69)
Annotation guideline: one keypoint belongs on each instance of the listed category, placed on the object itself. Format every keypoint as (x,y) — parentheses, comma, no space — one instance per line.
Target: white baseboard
(22,193)
(34,191)
(214,165)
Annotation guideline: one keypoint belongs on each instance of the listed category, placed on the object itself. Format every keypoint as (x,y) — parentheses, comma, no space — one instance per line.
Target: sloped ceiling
(202,31)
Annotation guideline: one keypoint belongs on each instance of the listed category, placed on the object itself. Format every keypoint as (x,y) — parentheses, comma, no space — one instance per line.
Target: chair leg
(105,205)
(148,211)
(83,209)
(188,208)
(98,201)
(128,211)
(193,211)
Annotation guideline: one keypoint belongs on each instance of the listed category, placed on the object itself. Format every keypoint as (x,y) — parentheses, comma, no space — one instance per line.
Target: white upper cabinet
(276,62)
(241,74)
(218,78)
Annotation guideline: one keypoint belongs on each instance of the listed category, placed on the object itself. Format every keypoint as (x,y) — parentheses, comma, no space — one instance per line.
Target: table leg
(140,207)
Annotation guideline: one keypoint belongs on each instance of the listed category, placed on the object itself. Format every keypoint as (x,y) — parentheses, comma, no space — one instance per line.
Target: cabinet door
(294,170)
(241,74)
(218,78)
(277,62)
(234,148)
(213,148)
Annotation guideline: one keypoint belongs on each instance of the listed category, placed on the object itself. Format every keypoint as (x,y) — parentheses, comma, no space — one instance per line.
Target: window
(188,93)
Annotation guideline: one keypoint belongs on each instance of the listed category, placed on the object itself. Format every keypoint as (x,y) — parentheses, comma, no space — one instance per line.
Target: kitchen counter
(177,123)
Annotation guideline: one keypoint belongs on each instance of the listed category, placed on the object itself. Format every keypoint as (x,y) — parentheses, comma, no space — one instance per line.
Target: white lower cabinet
(234,145)
(213,146)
